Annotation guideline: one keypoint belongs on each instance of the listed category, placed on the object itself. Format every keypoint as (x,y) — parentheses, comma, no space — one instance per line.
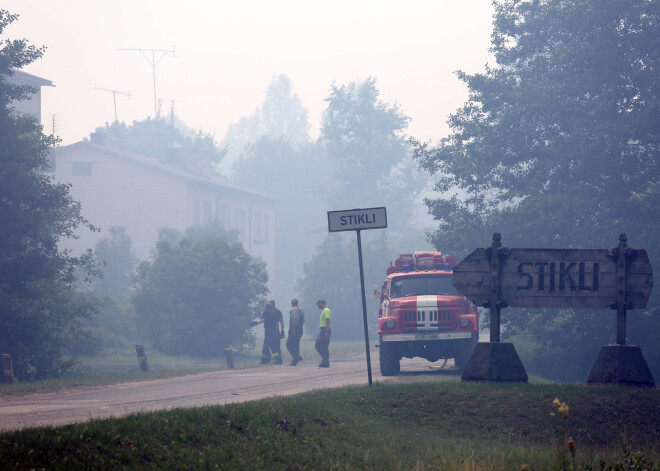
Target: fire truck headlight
(390,324)
(464,322)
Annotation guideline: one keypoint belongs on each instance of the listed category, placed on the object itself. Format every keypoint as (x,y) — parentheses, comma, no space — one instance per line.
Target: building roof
(24,78)
(159,166)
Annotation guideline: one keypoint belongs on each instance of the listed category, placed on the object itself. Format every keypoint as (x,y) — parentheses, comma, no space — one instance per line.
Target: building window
(223,216)
(265,228)
(206,212)
(196,214)
(81,169)
(256,226)
(243,221)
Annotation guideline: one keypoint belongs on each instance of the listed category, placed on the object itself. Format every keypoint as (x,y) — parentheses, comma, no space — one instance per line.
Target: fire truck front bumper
(412,336)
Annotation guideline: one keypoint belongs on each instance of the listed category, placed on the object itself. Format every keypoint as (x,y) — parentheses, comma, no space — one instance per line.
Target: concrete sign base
(495,361)
(621,364)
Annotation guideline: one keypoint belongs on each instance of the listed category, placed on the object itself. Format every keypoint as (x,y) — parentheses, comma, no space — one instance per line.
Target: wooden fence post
(229,358)
(142,358)
(7,369)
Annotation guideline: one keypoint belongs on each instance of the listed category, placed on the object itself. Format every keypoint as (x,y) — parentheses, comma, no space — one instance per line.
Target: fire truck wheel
(389,360)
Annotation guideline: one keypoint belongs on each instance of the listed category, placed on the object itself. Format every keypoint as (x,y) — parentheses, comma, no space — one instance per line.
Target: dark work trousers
(322,343)
(293,345)
(271,350)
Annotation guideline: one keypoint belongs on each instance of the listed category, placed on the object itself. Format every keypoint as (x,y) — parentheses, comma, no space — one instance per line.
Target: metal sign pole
(357,220)
(364,307)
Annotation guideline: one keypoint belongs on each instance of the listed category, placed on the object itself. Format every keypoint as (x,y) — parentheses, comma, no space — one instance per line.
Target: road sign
(357,219)
(555,278)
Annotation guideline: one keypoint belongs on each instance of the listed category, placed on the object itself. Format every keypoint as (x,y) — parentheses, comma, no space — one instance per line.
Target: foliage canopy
(199,293)
(558,146)
(40,306)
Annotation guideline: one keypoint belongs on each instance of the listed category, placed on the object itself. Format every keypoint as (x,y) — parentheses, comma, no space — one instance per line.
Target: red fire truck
(423,315)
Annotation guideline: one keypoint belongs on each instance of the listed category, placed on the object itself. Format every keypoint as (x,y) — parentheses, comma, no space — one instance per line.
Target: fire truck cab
(423,315)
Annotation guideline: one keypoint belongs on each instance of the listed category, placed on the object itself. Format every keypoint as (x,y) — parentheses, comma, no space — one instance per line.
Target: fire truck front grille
(435,318)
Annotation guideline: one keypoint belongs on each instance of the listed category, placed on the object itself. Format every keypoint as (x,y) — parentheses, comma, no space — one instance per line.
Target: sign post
(620,278)
(358,220)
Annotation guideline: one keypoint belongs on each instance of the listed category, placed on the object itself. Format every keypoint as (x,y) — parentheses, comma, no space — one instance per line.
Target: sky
(226,52)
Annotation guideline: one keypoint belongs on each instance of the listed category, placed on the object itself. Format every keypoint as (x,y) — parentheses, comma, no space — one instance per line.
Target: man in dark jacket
(270,318)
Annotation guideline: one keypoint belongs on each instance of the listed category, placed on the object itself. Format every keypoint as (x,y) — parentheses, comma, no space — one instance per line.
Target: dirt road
(219,387)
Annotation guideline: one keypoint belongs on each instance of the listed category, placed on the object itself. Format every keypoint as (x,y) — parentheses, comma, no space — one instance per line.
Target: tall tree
(280,117)
(200,292)
(117,260)
(40,307)
(333,273)
(290,174)
(558,145)
(365,141)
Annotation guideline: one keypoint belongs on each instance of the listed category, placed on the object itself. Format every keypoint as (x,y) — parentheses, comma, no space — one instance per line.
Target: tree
(364,139)
(281,117)
(40,306)
(333,274)
(199,293)
(117,260)
(290,174)
(160,139)
(556,146)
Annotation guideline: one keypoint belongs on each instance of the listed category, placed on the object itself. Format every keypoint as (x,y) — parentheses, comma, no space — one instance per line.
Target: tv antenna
(157,55)
(114,97)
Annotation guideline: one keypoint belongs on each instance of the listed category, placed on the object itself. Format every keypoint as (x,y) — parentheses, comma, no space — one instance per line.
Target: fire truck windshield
(421,285)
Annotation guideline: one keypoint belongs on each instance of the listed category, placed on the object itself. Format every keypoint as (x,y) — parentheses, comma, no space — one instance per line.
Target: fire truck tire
(390,361)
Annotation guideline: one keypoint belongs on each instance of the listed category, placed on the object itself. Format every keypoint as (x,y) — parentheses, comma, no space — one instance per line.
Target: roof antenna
(114,97)
(154,61)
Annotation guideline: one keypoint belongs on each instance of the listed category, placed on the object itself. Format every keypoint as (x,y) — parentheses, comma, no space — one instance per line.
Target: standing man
(296,320)
(272,335)
(323,340)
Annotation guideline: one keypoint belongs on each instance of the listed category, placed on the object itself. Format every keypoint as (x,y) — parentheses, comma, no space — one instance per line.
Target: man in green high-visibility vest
(323,340)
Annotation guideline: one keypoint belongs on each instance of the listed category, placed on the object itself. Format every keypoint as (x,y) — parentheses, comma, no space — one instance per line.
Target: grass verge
(448,426)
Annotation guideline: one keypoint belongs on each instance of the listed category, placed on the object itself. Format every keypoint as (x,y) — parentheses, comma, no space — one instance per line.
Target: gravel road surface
(218,387)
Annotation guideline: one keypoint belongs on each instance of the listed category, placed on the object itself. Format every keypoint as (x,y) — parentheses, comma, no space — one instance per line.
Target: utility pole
(114,97)
(154,61)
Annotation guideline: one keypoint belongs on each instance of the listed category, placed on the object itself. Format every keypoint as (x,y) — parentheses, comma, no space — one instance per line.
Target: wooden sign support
(497,277)
(621,363)
(495,361)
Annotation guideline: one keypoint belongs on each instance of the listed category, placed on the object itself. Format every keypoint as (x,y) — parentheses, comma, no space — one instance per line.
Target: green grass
(447,426)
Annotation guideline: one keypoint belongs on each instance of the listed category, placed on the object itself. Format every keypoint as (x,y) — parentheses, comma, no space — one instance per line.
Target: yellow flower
(563,410)
(556,403)
(571,447)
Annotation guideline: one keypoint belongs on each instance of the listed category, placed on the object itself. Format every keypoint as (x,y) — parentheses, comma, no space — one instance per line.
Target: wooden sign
(555,278)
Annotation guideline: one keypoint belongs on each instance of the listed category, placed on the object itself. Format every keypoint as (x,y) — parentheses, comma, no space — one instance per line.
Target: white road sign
(357,219)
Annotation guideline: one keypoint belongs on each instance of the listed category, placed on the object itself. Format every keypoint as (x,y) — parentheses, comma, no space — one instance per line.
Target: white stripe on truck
(426,303)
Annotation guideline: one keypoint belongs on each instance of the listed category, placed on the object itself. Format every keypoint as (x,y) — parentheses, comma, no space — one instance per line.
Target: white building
(142,194)
(31,106)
